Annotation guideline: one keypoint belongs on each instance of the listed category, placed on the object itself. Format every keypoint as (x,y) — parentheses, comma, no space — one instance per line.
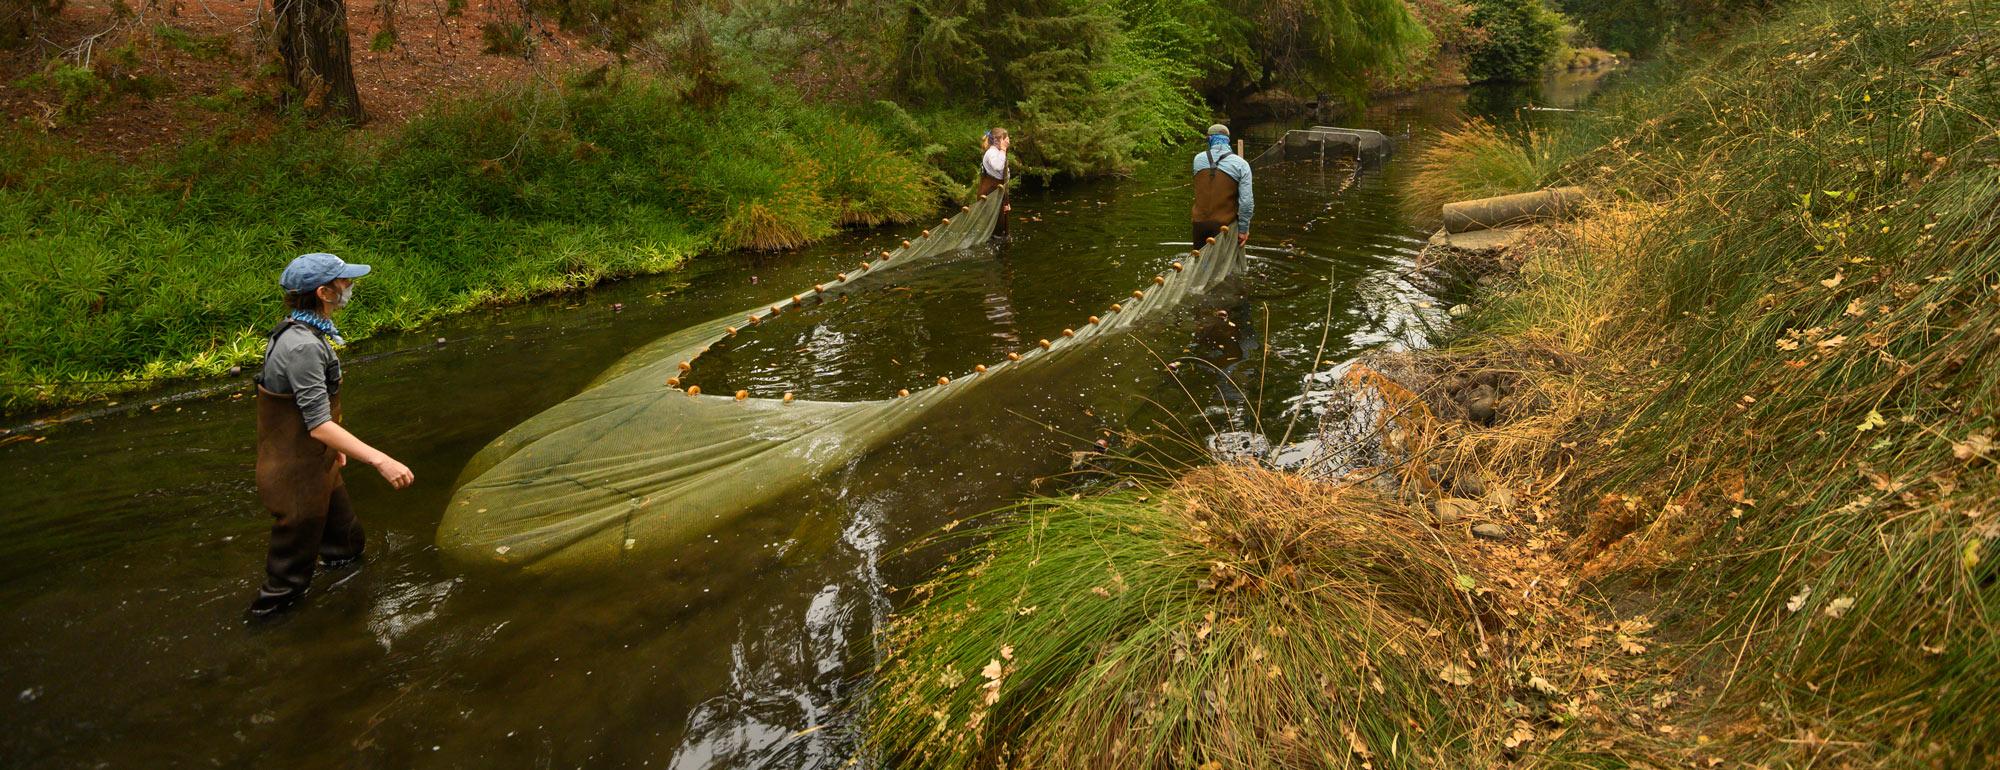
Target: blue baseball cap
(317,269)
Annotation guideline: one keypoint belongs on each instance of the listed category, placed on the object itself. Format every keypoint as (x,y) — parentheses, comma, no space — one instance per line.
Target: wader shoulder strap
(1214,163)
(271,338)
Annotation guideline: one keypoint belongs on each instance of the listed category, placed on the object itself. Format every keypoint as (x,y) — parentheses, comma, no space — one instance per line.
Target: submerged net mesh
(635,463)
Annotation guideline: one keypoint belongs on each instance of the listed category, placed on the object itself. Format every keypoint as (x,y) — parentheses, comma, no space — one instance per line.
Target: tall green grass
(168,266)
(1813,296)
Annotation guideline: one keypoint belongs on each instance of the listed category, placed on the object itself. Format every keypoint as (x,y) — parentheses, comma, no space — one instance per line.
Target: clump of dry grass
(1785,446)
(1240,616)
(1475,160)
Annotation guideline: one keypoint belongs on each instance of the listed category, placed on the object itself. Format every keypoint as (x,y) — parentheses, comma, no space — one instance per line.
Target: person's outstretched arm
(331,434)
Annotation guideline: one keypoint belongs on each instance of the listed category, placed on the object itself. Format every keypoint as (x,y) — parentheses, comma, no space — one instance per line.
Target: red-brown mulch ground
(437,55)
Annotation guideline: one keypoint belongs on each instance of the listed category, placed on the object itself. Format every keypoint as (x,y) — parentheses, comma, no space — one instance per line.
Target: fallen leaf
(1838,276)
(1543,686)
(1798,600)
(1455,674)
(1872,421)
(1839,607)
(1975,445)
(1354,743)
(1521,733)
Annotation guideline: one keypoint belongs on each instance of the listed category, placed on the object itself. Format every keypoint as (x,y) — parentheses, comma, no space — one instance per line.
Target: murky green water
(130,543)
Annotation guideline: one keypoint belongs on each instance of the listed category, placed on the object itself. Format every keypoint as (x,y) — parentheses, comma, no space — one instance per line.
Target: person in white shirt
(993,173)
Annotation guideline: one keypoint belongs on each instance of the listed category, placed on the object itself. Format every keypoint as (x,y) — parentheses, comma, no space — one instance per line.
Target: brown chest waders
(298,480)
(1214,201)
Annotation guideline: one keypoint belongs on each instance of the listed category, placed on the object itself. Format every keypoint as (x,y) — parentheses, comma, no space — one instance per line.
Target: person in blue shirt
(1222,196)
(301,445)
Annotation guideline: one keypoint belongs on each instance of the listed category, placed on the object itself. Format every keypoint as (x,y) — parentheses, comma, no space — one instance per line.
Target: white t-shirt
(995,163)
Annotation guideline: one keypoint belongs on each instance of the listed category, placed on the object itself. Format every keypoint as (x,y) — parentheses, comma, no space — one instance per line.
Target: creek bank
(1710,468)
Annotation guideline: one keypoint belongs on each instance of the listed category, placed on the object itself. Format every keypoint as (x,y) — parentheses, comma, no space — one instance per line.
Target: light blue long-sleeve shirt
(1238,169)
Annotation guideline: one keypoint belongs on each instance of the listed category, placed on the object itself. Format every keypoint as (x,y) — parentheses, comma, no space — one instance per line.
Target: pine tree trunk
(312,38)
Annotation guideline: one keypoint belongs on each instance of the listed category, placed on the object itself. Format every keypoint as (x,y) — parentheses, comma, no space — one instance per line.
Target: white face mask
(340,298)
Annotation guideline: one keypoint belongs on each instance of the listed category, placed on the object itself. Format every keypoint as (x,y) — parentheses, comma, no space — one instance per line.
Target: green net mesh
(635,463)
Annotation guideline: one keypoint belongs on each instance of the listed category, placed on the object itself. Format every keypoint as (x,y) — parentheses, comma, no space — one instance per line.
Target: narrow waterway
(131,542)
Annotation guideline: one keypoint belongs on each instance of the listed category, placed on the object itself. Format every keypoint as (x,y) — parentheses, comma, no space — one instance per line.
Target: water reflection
(131,541)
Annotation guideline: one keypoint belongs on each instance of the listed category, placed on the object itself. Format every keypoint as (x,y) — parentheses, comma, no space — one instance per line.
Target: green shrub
(506,38)
(76,88)
(1519,38)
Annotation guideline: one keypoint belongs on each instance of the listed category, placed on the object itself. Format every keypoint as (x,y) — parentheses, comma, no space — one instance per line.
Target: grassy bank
(166,267)
(1751,399)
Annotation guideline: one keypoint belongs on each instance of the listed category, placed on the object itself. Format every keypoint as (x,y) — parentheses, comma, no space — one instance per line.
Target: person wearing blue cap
(300,443)
(1222,195)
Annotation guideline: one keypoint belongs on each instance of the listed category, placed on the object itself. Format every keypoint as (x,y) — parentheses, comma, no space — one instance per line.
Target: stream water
(131,542)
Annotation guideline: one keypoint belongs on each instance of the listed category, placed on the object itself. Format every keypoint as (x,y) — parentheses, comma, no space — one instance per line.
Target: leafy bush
(1520,38)
(1316,46)
(1638,27)
(1092,83)
(76,88)
(1440,56)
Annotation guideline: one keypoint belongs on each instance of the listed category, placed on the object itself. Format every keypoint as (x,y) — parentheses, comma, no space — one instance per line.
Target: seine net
(636,463)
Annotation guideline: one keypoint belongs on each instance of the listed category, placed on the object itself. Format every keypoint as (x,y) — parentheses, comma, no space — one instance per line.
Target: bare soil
(438,53)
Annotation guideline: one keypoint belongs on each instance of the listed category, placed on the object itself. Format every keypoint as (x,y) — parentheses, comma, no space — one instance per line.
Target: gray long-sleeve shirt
(300,363)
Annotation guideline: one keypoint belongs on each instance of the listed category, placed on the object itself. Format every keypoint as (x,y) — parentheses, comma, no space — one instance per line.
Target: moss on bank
(1752,399)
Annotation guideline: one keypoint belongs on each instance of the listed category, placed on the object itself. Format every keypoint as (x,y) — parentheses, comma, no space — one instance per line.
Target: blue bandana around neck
(320,322)
(1218,141)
